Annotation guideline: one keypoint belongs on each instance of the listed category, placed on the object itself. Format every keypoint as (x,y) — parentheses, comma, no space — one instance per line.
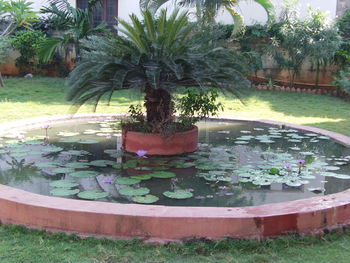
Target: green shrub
(28,43)
(342,80)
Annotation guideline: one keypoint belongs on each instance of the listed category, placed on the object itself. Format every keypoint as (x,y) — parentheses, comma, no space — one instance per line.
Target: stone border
(315,215)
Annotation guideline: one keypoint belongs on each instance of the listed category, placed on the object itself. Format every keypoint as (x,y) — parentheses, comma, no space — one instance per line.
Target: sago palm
(207,9)
(155,55)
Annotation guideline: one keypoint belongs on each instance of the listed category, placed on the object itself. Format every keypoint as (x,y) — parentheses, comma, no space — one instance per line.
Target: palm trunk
(159,107)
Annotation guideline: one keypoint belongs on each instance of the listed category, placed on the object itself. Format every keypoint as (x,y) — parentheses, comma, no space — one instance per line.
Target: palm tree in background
(206,10)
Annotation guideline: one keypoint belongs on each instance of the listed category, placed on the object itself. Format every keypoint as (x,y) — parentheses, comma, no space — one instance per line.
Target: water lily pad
(209,166)
(69,140)
(130,191)
(316,190)
(52,149)
(92,195)
(311,134)
(162,174)
(101,163)
(185,165)
(267,141)
(77,165)
(19,150)
(178,194)
(64,191)
(324,137)
(62,170)
(295,148)
(64,184)
(68,134)
(84,174)
(130,164)
(75,152)
(146,199)
(127,181)
(293,183)
(46,164)
(111,151)
(294,140)
(341,176)
(142,177)
(331,168)
(241,142)
(88,142)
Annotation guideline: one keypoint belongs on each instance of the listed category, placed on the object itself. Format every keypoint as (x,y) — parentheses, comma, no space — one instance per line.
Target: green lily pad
(101,163)
(316,190)
(146,199)
(77,165)
(19,150)
(127,181)
(92,195)
(130,191)
(69,140)
(88,142)
(64,184)
(142,177)
(161,174)
(84,174)
(63,170)
(75,152)
(178,194)
(332,168)
(68,134)
(52,149)
(46,165)
(185,165)
(64,191)
(241,142)
(130,164)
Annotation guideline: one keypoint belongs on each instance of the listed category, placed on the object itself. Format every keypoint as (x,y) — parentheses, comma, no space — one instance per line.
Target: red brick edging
(161,223)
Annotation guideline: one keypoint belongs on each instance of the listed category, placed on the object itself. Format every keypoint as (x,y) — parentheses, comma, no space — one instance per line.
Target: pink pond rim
(153,223)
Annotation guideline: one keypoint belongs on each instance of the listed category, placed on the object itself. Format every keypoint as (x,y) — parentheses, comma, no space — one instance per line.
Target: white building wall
(252,12)
(37,4)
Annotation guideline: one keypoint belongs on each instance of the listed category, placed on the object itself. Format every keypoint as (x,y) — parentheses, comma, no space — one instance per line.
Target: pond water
(237,164)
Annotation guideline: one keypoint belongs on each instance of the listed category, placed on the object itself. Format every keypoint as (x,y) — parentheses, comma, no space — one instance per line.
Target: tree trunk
(1,81)
(159,107)
(317,75)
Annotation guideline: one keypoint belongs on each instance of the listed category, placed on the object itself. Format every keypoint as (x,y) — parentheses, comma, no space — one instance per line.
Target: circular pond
(238,163)
(249,179)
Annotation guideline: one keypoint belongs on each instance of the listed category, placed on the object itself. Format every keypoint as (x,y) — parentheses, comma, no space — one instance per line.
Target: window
(107,13)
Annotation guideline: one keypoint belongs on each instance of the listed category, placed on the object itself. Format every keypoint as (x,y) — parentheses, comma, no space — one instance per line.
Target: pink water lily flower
(46,126)
(21,137)
(288,165)
(141,153)
(301,162)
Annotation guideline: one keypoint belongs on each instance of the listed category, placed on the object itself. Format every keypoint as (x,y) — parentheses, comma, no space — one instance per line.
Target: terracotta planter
(156,144)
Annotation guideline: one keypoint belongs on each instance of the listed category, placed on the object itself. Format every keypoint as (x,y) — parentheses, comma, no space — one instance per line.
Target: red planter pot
(156,144)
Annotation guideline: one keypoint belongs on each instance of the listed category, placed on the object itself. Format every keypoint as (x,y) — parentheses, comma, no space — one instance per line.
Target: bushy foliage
(28,43)
(206,10)
(156,55)
(342,80)
(315,37)
(4,47)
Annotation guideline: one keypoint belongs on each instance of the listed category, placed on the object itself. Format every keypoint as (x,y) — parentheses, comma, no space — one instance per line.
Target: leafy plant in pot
(159,55)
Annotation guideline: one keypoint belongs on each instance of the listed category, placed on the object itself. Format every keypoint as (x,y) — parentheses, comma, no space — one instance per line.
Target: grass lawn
(27,98)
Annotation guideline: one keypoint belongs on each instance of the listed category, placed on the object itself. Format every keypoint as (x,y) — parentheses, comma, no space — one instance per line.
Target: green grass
(18,244)
(27,98)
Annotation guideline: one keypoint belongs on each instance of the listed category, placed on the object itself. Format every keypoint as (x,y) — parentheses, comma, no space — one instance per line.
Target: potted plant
(159,56)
